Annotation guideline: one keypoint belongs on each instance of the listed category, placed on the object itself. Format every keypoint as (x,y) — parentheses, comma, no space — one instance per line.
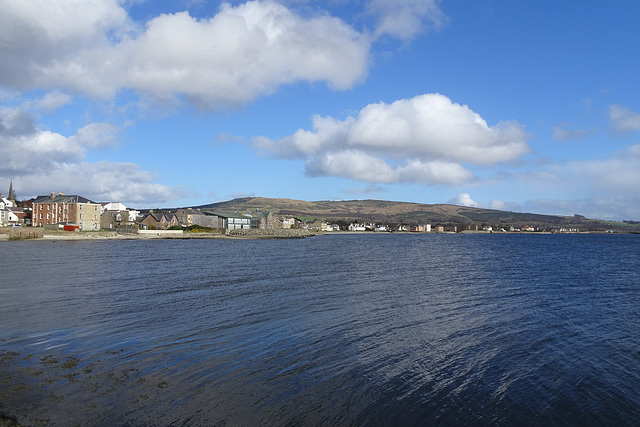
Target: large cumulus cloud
(423,139)
(234,56)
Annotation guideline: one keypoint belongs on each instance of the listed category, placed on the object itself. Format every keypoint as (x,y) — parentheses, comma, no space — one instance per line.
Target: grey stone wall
(274,232)
(20,233)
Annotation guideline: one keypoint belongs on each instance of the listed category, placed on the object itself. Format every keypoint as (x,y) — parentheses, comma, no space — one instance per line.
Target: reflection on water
(344,329)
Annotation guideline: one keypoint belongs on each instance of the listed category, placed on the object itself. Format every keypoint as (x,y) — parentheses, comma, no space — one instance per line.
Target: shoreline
(157,235)
(53,236)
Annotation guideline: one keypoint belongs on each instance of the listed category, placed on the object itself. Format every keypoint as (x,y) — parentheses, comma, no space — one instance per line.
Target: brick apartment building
(61,208)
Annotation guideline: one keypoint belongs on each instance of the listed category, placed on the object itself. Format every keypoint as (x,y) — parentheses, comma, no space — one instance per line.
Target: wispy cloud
(561,133)
(405,19)
(604,188)
(48,103)
(624,119)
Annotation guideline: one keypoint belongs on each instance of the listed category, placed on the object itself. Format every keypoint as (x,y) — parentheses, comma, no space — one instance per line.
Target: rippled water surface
(331,330)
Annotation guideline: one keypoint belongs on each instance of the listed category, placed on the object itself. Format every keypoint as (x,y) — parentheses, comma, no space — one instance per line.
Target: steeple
(12,195)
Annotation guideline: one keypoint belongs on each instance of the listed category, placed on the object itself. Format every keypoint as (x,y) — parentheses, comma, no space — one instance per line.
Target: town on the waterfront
(60,212)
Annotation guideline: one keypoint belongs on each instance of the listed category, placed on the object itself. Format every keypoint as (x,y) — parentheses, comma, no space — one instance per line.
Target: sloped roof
(63,198)
(228,215)
(157,216)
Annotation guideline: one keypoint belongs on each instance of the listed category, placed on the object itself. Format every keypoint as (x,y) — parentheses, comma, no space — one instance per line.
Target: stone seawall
(161,233)
(21,233)
(282,233)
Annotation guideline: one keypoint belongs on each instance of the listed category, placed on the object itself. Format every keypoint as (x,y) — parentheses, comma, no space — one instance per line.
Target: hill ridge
(395,212)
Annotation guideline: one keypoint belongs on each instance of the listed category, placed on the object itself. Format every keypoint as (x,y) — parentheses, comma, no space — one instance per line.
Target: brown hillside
(380,211)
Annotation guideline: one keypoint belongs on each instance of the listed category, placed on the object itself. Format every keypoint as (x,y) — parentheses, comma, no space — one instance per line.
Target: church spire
(12,195)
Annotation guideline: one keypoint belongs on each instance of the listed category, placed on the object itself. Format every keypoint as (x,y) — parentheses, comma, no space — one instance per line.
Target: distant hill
(388,212)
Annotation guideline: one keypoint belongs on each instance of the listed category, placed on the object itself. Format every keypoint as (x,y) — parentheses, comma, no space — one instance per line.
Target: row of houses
(74,211)
(191,217)
(77,212)
(422,228)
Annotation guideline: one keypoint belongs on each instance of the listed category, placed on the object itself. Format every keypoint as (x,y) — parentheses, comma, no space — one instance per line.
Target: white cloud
(43,43)
(231,58)
(406,18)
(24,147)
(43,161)
(497,204)
(624,119)
(617,175)
(464,199)
(48,103)
(354,165)
(429,136)
(96,135)
(102,181)
(360,166)
(606,189)
(425,127)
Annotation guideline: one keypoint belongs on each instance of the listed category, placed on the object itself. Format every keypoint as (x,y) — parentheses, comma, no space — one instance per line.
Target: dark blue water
(331,330)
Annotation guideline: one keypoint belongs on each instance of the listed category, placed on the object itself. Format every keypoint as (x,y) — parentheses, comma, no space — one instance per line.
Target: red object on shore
(71,227)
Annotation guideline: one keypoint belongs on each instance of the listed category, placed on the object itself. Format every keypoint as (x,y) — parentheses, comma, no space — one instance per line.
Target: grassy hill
(387,212)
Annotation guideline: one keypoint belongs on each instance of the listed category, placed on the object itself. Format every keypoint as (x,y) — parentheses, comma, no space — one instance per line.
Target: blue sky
(525,106)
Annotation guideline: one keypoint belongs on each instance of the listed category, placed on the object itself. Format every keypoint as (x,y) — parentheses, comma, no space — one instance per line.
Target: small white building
(5,203)
(119,207)
(8,217)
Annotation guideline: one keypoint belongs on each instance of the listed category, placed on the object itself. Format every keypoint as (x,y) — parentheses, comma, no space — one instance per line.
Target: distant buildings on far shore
(74,212)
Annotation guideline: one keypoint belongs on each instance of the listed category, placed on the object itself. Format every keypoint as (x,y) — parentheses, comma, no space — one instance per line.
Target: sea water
(345,329)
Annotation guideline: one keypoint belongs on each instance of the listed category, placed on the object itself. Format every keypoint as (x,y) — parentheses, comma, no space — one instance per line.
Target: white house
(119,207)
(8,217)
(5,203)
(288,222)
